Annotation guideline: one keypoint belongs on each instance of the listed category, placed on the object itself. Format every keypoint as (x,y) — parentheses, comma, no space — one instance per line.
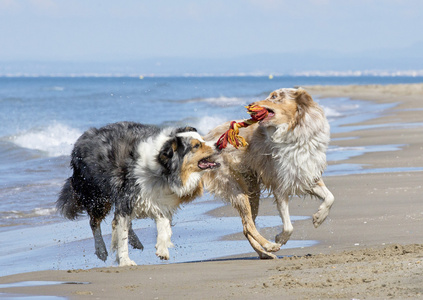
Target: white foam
(225,101)
(57,88)
(55,140)
(207,123)
(44,211)
(343,149)
(36,212)
(330,112)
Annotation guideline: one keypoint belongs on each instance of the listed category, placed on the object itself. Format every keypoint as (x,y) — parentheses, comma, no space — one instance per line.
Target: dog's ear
(303,98)
(185,129)
(167,151)
(304,104)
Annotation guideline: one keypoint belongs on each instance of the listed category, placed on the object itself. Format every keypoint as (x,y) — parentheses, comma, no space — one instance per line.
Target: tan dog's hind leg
(254,197)
(233,188)
(257,241)
(282,203)
(257,247)
(324,194)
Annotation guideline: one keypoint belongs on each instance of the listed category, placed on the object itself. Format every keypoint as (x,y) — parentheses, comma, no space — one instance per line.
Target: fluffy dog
(286,154)
(141,170)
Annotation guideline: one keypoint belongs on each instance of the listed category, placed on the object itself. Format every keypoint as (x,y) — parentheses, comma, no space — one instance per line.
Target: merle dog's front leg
(120,229)
(164,234)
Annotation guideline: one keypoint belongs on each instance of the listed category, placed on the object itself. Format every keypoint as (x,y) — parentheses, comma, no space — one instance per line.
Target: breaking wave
(55,140)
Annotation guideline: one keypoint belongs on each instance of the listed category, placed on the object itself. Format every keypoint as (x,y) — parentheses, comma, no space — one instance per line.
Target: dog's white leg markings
(120,240)
(114,245)
(164,233)
(282,203)
(321,191)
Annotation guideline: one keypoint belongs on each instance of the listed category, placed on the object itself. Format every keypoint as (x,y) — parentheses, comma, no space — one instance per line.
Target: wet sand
(370,247)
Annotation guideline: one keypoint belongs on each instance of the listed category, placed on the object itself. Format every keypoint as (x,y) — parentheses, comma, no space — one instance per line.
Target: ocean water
(41,118)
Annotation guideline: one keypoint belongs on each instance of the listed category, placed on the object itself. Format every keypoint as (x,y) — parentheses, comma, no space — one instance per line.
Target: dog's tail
(68,204)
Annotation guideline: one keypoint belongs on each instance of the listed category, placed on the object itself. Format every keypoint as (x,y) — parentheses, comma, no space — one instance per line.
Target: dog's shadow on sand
(250,258)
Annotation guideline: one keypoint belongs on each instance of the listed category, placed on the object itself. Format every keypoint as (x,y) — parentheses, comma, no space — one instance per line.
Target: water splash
(56,139)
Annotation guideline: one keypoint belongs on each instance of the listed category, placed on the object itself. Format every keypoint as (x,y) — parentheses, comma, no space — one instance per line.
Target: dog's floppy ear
(303,98)
(167,151)
(304,104)
(185,129)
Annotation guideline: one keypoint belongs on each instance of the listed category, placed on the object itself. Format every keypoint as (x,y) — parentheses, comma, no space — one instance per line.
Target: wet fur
(141,170)
(286,154)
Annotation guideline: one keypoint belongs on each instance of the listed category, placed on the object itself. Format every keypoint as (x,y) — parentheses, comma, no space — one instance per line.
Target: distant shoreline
(417,74)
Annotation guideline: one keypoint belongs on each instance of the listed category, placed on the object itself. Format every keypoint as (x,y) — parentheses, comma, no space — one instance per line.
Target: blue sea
(41,118)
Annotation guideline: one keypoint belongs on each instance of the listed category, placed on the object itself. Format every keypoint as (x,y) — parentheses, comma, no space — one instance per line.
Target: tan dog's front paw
(283,237)
(266,255)
(320,217)
(272,247)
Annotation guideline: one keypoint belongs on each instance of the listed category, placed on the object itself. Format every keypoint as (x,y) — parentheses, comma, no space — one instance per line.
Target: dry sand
(371,246)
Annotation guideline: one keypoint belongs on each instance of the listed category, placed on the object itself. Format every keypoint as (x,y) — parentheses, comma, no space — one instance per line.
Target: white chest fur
(160,204)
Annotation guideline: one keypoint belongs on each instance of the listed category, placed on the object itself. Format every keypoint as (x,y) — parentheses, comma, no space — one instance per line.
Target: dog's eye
(273,96)
(196,146)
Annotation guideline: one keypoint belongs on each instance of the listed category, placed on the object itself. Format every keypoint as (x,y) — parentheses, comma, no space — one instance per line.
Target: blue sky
(99,30)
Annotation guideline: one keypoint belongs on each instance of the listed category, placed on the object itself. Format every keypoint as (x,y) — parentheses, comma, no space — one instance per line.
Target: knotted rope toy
(232,136)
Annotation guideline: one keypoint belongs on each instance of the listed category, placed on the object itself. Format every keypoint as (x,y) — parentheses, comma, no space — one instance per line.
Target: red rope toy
(232,136)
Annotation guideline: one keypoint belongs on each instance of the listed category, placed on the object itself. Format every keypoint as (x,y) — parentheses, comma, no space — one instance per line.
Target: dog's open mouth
(270,114)
(206,163)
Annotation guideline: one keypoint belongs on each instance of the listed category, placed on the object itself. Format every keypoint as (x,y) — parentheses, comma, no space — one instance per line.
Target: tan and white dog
(286,154)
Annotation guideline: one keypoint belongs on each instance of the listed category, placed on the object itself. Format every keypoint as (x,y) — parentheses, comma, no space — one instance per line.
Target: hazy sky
(135,29)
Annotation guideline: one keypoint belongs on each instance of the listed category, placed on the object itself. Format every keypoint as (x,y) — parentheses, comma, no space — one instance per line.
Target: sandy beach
(370,247)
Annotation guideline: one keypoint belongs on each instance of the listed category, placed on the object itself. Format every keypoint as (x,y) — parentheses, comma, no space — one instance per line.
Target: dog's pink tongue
(205,164)
(269,116)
